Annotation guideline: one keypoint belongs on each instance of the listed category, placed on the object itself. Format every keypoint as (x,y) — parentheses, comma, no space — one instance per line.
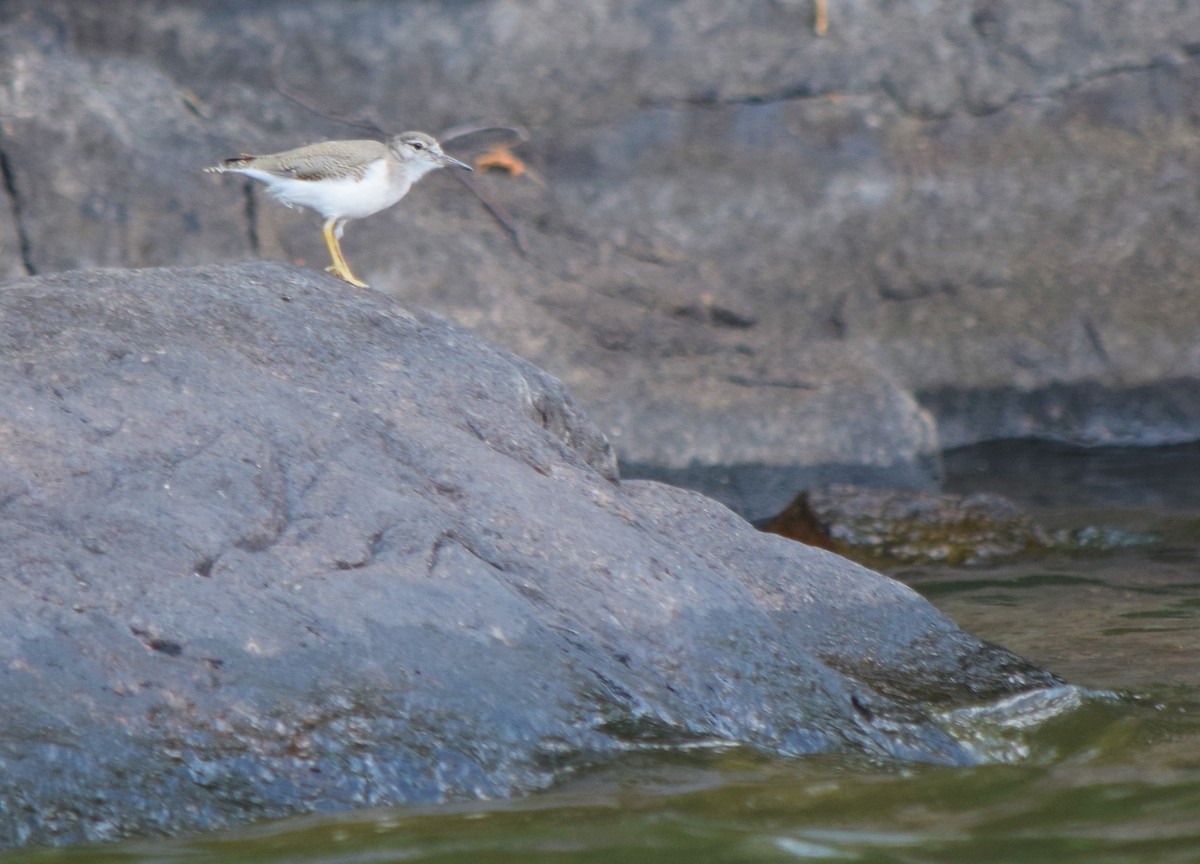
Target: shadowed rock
(276,545)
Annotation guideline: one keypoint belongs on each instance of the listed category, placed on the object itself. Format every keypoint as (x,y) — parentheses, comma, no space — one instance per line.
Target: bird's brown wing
(317,161)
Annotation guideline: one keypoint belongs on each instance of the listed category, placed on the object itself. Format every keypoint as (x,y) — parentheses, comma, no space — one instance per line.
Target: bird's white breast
(344,197)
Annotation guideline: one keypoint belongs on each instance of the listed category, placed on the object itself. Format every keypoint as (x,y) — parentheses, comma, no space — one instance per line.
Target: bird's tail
(233,163)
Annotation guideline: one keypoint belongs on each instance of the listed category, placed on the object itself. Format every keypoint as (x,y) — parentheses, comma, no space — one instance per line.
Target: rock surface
(276,545)
(754,252)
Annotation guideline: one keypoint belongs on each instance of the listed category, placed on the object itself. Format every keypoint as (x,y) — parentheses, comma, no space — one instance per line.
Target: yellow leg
(339,268)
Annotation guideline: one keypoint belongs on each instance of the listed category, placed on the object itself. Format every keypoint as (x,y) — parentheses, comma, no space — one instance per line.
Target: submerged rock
(902,525)
(877,525)
(277,545)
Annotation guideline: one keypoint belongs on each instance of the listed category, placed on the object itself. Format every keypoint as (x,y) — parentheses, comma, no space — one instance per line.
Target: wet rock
(753,252)
(906,526)
(888,525)
(276,545)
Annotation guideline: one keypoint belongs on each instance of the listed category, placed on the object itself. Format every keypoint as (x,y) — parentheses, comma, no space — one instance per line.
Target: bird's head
(422,151)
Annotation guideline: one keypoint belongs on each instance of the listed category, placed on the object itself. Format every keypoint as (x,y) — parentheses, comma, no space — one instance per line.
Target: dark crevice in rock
(1073,83)
(1096,341)
(165,646)
(435,551)
(162,646)
(467,545)
(14,198)
(713,100)
(786,384)
(715,316)
(374,544)
(895,95)
(252,219)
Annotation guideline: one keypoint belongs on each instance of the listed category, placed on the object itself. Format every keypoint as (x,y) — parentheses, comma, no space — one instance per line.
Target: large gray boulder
(755,253)
(274,545)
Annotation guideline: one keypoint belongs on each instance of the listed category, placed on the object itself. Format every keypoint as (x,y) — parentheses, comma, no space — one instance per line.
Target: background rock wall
(756,255)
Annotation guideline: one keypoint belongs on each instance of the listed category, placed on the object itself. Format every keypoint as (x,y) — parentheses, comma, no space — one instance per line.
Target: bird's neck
(414,170)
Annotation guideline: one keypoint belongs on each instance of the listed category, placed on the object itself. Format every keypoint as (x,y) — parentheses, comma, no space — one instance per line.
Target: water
(1115,780)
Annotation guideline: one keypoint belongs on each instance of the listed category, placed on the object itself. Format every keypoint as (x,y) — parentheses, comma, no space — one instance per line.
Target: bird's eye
(417,145)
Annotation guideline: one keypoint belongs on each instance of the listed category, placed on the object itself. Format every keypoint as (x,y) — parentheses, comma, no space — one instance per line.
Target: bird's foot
(346,276)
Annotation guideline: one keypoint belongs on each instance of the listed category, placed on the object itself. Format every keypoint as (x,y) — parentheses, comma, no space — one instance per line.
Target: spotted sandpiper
(344,180)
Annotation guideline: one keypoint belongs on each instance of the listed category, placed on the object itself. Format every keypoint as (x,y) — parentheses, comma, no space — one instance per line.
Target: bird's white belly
(343,198)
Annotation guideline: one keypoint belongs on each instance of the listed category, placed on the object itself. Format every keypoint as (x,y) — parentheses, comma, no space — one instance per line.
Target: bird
(344,180)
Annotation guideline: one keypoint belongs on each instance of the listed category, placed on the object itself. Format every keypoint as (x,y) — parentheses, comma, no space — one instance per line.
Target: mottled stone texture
(274,545)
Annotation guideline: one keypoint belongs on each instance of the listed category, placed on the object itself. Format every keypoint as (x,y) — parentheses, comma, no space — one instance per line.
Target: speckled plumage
(343,180)
(319,161)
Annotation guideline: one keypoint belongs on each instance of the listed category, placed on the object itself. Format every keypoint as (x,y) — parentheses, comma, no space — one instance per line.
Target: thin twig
(498,213)
(364,122)
(821,17)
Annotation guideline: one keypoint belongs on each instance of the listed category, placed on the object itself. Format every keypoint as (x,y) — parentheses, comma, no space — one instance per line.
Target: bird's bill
(450,160)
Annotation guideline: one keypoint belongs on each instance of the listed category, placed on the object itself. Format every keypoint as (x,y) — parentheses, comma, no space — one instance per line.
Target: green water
(1115,780)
